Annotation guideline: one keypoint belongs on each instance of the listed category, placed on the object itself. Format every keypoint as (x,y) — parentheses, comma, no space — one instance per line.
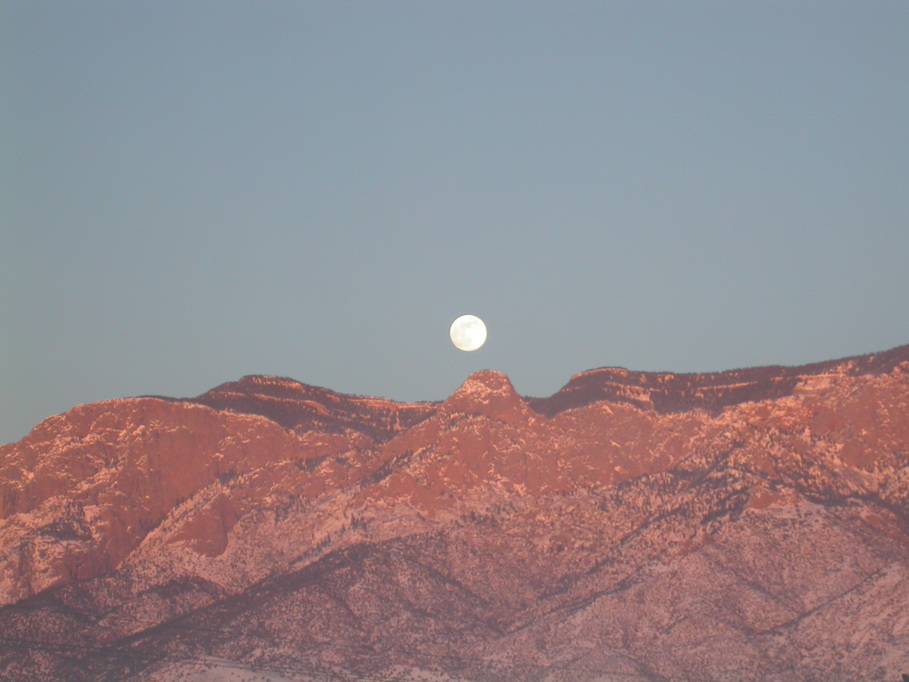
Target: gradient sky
(194,191)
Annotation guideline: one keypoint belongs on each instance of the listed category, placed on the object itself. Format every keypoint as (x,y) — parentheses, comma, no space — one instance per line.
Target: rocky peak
(488,393)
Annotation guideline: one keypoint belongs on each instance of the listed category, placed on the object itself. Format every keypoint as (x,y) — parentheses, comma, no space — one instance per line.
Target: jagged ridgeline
(743,525)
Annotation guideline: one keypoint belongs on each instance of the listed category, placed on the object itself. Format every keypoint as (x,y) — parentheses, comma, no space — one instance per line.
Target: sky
(195,191)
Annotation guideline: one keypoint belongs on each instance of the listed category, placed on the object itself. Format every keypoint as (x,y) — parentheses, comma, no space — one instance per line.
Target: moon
(468,332)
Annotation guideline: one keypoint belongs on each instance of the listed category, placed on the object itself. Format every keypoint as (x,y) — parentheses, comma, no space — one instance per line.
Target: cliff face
(751,524)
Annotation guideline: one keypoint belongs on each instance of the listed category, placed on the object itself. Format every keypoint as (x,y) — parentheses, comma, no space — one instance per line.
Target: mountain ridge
(631,526)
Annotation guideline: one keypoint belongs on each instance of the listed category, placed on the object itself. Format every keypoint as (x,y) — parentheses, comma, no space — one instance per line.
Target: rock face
(745,525)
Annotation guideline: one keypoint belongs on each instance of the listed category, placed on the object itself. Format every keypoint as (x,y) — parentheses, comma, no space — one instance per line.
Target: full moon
(468,332)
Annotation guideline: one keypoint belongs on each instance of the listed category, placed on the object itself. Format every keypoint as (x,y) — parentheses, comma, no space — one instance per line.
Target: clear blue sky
(194,191)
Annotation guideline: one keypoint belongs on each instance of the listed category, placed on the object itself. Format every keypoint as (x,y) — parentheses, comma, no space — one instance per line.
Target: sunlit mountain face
(744,525)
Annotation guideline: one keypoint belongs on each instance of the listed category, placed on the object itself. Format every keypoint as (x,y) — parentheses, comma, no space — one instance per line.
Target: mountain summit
(487,393)
(743,525)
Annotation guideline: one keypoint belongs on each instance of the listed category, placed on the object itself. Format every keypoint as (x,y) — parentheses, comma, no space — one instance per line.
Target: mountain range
(743,525)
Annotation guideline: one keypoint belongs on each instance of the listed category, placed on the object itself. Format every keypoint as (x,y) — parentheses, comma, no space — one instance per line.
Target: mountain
(743,525)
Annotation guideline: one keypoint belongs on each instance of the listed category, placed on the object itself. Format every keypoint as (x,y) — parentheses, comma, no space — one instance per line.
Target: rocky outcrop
(751,524)
(309,408)
(665,392)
